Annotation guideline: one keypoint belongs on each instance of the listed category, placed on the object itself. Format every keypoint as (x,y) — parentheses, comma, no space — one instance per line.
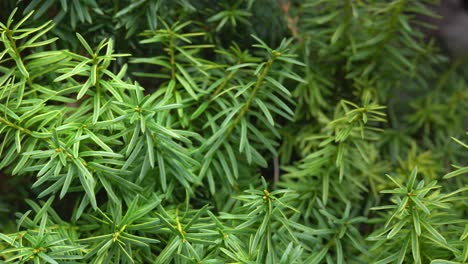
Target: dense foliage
(198,131)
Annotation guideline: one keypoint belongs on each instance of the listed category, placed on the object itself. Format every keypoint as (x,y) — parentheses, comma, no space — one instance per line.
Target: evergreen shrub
(230,131)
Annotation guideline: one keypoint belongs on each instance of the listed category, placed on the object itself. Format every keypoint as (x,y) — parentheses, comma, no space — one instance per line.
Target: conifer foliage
(198,131)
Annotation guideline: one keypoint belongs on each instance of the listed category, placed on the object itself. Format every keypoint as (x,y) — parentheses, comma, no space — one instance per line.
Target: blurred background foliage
(137,131)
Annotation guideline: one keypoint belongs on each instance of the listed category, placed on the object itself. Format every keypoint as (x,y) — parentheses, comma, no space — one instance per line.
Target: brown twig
(291,21)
